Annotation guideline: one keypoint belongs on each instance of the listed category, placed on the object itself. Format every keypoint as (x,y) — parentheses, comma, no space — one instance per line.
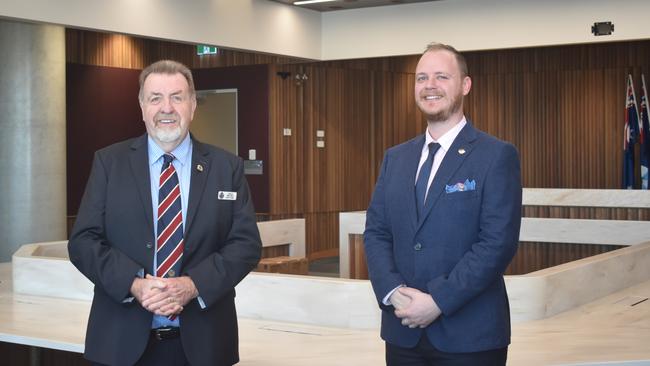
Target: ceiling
(350,4)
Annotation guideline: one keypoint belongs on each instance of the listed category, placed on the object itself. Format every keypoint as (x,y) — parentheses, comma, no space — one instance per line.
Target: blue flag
(630,136)
(643,134)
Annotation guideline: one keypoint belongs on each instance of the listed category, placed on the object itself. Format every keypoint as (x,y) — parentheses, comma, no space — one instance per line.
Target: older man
(442,226)
(165,231)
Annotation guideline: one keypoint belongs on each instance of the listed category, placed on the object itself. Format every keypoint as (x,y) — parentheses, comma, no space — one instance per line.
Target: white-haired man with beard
(442,226)
(165,230)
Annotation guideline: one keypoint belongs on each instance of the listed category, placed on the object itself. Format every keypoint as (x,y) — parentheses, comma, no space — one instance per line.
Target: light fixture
(301,78)
(305,2)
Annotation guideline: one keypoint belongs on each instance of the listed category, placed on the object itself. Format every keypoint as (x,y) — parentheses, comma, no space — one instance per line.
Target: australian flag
(630,135)
(643,134)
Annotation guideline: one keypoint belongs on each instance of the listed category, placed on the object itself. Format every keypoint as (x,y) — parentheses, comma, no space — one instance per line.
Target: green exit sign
(205,50)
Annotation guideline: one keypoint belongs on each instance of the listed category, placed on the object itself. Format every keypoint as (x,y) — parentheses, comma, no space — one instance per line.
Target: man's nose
(431,83)
(167,106)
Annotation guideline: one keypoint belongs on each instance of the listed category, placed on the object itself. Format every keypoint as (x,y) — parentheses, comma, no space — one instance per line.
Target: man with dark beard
(165,231)
(442,226)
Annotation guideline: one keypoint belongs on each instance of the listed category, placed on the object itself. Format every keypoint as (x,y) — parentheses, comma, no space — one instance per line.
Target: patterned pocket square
(468,185)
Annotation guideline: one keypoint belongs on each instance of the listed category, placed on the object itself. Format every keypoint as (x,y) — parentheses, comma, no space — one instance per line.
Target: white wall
(478,25)
(266,26)
(257,25)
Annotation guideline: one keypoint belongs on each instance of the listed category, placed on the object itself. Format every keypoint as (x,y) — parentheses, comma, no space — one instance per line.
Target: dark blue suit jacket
(113,239)
(459,248)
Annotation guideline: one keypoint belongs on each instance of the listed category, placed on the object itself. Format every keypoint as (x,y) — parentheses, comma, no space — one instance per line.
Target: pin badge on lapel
(461,151)
(199,167)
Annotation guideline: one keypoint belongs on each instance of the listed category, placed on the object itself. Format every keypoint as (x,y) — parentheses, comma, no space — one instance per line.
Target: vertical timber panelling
(396,117)
(356,143)
(287,178)
(119,50)
(322,235)
(336,101)
(563,108)
(323,101)
(321,182)
(532,257)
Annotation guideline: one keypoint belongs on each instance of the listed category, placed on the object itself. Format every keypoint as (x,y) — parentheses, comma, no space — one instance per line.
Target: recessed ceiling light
(305,2)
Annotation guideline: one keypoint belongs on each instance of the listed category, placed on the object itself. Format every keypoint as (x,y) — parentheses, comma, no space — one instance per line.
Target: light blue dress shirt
(183,165)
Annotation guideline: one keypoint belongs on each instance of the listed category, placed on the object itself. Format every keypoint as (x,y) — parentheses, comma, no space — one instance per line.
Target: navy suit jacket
(113,238)
(458,249)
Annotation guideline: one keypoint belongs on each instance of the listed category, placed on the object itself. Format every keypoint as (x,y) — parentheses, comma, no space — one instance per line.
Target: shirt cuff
(130,299)
(386,299)
(201,302)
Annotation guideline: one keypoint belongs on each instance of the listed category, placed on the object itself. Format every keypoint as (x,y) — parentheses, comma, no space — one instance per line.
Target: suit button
(149,245)
(417,246)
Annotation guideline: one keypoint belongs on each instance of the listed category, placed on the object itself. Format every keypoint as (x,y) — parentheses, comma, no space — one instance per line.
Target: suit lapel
(460,149)
(413,160)
(200,170)
(139,160)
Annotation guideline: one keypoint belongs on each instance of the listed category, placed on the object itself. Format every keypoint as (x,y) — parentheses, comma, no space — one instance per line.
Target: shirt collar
(448,138)
(181,152)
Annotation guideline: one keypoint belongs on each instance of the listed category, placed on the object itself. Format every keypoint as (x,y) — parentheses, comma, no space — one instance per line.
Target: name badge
(227,195)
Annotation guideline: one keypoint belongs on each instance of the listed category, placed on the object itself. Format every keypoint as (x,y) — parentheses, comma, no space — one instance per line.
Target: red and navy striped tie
(169,244)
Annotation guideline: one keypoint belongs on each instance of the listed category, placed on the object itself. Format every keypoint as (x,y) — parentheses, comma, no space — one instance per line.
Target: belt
(165,333)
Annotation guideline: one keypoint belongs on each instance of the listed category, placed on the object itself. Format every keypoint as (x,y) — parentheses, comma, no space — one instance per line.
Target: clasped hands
(164,296)
(414,307)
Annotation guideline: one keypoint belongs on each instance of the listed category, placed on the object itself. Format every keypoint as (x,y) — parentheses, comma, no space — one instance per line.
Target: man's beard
(444,114)
(168,134)
(165,133)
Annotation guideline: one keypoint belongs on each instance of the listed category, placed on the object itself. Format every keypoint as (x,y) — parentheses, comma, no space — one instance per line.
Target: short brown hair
(460,59)
(168,67)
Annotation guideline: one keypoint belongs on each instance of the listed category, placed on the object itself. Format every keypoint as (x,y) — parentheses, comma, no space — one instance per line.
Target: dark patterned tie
(423,178)
(169,243)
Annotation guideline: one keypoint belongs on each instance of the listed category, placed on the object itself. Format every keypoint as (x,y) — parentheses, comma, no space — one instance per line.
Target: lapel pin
(461,151)
(199,167)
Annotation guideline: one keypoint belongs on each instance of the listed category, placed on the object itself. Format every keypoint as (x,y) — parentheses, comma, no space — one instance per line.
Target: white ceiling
(350,4)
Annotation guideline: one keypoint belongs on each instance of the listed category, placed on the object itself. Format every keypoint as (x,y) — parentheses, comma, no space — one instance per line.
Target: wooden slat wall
(561,106)
(358,265)
(118,50)
(532,257)
(337,101)
(595,213)
(320,182)
(397,118)
(287,177)
(276,251)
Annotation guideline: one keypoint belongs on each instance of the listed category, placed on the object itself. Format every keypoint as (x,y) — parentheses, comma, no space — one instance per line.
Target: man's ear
(142,108)
(467,85)
(193,107)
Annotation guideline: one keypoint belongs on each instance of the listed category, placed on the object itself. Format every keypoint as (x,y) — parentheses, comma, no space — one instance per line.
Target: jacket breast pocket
(461,205)
(460,196)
